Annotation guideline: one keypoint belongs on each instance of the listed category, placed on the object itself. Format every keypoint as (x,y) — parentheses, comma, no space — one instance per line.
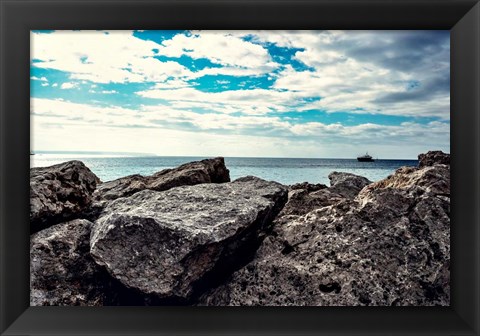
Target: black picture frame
(18,17)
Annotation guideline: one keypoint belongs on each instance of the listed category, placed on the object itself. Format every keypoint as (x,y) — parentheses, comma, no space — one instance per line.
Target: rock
(433,157)
(59,193)
(308,186)
(175,243)
(346,184)
(430,180)
(300,201)
(388,246)
(205,171)
(62,273)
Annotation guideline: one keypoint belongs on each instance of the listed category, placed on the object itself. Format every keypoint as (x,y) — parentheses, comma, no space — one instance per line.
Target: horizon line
(136,154)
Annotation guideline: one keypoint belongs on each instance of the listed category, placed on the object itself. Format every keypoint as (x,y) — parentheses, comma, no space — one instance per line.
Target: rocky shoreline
(190,236)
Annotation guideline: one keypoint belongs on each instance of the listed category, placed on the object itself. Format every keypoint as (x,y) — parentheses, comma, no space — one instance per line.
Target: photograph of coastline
(240,168)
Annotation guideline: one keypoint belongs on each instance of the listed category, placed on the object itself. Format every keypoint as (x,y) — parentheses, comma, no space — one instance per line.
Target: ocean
(284,170)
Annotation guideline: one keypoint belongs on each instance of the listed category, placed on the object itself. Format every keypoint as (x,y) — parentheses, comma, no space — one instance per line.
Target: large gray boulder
(176,242)
(388,246)
(347,184)
(433,157)
(59,193)
(62,273)
(197,172)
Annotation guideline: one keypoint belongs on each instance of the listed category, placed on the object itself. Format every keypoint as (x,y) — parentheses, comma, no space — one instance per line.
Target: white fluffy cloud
(43,79)
(237,56)
(102,57)
(67,85)
(120,57)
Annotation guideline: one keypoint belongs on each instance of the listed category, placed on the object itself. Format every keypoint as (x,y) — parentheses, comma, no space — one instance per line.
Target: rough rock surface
(347,184)
(433,157)
(156,242)
(59,193)
(388,246)
(301,201)
(205,171)
(174,243)
(308,186)
(62,273)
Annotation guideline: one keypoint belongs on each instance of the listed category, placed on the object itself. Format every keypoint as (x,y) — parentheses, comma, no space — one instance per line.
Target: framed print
(291,159)
(250,125)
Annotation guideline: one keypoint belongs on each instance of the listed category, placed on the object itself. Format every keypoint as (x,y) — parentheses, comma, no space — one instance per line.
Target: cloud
(120,57)
(68,85)
(400,50)
(116,57)
(68,113)
(254,101)
(228,49)
(428,90)
(268,128)
(369,70)
(172,84)
(348,70)
(43,79)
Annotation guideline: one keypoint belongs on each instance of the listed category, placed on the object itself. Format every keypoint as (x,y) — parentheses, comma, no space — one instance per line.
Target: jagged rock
(304,197)
(300,201)
(62,273)
(430,180)
(174,243)
(346,184)
(59,193)
(205,171)
(433,157)
(388,246)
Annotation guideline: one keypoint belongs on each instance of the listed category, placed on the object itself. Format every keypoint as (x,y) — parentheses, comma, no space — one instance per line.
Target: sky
(305,94)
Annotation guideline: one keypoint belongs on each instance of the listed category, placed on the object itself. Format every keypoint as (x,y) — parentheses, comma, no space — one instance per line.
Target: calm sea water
(283,170)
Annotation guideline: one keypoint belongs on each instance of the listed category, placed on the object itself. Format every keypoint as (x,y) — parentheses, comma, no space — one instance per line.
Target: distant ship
(32,153)
(365,158)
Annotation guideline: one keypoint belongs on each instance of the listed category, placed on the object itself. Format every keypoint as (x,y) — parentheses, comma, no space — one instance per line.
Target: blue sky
(241,93)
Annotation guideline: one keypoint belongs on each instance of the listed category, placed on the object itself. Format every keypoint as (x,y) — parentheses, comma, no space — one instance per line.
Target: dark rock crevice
(240,250)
